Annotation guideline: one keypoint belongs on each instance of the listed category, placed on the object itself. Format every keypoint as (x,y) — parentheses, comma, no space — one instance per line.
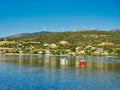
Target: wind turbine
(84,28)
(44,28)
(74,28)
(53,30)
(63,29)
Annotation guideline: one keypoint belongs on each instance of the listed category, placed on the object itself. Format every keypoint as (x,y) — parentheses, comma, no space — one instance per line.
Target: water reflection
(98,63)
(23,72)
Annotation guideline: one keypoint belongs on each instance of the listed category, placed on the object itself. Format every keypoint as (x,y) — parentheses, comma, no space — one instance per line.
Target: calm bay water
(48,73)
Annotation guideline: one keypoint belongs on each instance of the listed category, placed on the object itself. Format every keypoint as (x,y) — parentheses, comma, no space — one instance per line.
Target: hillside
(108,40)
(79,38)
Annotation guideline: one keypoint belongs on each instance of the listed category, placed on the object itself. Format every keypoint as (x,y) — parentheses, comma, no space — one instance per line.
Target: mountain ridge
(27,34)
(49,32)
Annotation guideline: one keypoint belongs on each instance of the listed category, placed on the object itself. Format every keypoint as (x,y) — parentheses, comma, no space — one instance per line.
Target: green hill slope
(109,41)
(79,38)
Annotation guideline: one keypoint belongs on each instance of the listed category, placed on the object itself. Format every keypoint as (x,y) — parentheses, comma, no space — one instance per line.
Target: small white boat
(63,61)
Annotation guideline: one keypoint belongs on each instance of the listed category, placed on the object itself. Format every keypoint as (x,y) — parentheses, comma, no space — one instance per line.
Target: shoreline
(53,55)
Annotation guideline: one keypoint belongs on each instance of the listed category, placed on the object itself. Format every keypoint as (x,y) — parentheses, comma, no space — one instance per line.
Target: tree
(118,51)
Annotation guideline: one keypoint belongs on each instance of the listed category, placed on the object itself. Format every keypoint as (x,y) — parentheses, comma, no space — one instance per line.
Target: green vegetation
(89,43)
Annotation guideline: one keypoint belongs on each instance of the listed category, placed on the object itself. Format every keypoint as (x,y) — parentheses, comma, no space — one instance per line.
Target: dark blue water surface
(48,73)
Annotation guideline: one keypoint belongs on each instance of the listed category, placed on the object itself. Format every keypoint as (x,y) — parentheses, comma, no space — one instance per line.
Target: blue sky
(19,16)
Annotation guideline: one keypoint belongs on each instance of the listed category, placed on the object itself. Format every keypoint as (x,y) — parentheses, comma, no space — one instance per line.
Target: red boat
(83,63)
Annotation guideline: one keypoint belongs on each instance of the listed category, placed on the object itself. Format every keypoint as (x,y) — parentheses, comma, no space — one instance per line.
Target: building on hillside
(105,43)
(47,52)
(81,52)
(53,46)
(99,50)
(64,43)
(45,45)
(77,49)
(88,47)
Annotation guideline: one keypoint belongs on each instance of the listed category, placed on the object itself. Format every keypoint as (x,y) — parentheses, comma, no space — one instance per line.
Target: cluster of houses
(78,50)
(48,49)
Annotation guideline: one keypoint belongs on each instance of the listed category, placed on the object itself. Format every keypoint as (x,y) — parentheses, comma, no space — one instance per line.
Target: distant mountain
(17,35)
(42,32)
(27,34)
(115,30)
(47,32)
